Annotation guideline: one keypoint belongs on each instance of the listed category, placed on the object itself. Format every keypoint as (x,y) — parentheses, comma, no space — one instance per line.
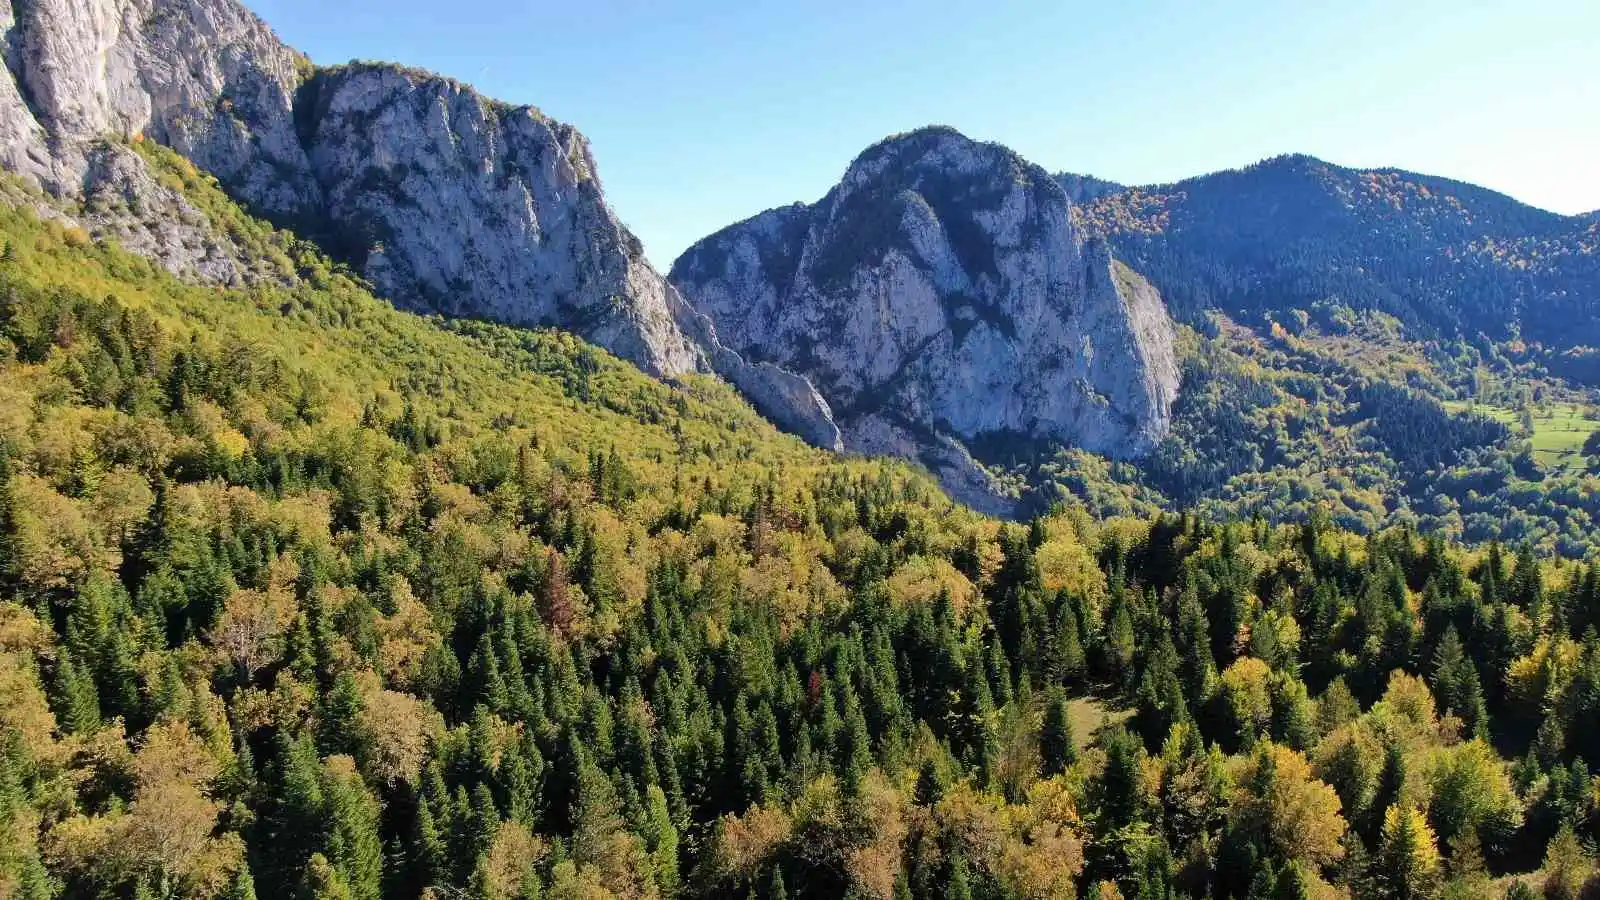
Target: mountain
(1294,232)
(1083,188)
(304,596)
(942,300)
(445,200)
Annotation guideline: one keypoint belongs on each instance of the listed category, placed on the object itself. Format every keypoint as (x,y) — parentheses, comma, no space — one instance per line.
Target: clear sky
(704,112)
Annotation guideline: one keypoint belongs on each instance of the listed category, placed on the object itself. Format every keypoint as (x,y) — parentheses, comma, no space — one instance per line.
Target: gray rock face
(791,401)
(205,78)
(940,298)
(445,200)
(1083,188)
(480,209)
(123,200)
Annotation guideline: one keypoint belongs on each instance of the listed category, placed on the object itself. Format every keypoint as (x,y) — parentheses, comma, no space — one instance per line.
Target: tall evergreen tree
(1057,747)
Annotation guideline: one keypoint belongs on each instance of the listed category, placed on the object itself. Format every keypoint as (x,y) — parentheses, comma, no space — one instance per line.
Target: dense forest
(1393,348)
(301,596)
(1337,410)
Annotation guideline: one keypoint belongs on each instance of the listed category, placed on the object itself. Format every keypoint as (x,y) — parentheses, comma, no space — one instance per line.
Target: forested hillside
(301,596)
(1337,410)
(1447,259)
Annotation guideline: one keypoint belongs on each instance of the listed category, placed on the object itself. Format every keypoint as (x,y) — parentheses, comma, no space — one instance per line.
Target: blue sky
(703,113)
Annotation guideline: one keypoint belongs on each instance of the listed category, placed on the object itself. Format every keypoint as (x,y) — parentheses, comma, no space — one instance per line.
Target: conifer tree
(960,884)
(10,549)
(350,817)
(1456,684)
(431,855)
(1119,789)
(1409,855)
(1057,748)
(76,701)
(1160,696)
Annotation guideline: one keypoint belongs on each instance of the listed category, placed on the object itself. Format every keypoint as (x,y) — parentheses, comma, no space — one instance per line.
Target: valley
(376,521)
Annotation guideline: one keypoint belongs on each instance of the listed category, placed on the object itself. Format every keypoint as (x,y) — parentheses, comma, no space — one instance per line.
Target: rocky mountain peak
(451,202)
(940,298)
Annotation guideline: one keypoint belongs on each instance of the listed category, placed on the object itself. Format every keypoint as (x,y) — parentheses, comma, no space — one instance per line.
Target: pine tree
(10,548)
(1456,684)
(484,821)
(1057,748)
(431,854)
(1526,589)
(856,746)
(295,820)
(1519,890)
(324,882)
(518,778)
(902,886)
(1292,719)
(341,710)
(1566,866)
(1073,663)
(34,881)
(1408,859)
(1391,781)
(930,784)
(353,846)
(1119,789)
(960,884)
(1263,884)
(1117,653)
(1294,882)
(1161,696)
(661,841)
(76,701)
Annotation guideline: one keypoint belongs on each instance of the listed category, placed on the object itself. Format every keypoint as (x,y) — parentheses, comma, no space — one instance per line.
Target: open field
(1089,715)
(1559,430)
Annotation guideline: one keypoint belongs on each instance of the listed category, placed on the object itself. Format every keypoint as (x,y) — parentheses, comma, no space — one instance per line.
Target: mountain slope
(443,199)
(940,297)
(1445,258)
(304,596)
(1083,188)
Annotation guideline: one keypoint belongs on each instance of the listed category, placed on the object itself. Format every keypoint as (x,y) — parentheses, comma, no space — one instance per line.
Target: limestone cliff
(447,201)
(941,298)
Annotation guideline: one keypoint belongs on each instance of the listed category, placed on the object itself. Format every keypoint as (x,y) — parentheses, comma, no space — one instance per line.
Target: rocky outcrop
(1083,188)
(205,78)
(123,200)
(447,201)
(791,401)
(941,299)
(450,202)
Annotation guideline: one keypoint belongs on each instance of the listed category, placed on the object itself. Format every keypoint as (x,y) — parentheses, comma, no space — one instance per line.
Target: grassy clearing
(1089,715)
(1559,430)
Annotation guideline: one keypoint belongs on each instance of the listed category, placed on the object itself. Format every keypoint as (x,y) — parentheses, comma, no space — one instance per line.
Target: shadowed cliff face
(447,201)
(940,296)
